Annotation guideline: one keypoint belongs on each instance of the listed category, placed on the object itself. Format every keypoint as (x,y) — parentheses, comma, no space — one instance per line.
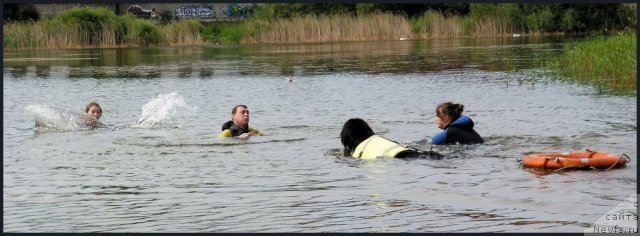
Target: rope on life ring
(625,155)
(619,158)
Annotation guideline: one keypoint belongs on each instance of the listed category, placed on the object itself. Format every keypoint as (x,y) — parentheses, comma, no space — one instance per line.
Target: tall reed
(88,27)
(99,27)
(183,33)
(328,28)
(608,63)
(433,24)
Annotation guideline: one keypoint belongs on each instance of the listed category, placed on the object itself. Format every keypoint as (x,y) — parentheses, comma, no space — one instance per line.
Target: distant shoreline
(100,27)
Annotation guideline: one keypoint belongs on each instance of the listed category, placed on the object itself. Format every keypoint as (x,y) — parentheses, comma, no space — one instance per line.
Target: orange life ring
(584,159)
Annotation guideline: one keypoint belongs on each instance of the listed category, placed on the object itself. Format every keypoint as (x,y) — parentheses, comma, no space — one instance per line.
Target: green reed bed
(607,62)
(86,27)
(434,24)
(327,28)
(223,31)
(183,33)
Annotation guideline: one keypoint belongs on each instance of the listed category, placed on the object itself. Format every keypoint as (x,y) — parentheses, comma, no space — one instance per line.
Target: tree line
(526,17)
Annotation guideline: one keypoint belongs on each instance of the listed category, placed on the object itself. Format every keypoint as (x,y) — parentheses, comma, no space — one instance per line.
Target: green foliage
(92,20)
(122,27)
(91,26)
(449,9)
(266,11)
(88,15)
(191,25)
(569,21)
(288,10)
(607,62)
(149,33)
(421,24)
(486,9)
(184,32)
(232,34)
(165,17)
(253,27)
(627,17)
(20,12)
(545,20)
(330,9)
(504,12)
(467,25)
(365,8)
(570,18)
(539,20)
(213,31)
(516,17)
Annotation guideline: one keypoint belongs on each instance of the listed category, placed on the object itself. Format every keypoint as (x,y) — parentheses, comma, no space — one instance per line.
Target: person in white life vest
(359,141)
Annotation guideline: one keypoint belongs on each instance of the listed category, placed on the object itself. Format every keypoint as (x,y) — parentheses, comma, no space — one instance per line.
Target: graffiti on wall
(142,13)
(195,12)
(232,11)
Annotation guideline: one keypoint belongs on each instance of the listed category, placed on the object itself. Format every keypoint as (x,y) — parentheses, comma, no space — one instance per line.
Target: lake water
(174,175)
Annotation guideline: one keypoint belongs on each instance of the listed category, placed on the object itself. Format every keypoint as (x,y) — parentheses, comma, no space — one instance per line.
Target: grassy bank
(608,63)
(98,27)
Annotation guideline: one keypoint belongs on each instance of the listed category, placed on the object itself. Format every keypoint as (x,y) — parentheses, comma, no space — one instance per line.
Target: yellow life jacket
(227,133)
(377,146)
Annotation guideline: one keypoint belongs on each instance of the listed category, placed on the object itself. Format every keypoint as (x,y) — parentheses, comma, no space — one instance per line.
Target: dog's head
(353,133)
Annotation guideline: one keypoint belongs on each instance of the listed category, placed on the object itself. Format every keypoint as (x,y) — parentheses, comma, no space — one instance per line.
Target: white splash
(161,110)
(56,118)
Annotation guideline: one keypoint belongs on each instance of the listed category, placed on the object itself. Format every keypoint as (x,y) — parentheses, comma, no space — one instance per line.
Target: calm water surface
(175,175)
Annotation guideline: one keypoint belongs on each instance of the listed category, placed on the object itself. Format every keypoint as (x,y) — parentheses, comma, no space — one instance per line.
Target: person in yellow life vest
(359,141)
(238,126)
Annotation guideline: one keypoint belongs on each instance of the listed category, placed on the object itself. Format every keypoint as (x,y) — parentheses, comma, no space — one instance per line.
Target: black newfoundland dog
(356,130)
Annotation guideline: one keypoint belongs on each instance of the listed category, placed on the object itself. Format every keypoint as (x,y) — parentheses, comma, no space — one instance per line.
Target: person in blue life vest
(238,126)
(458,128)
(360,141)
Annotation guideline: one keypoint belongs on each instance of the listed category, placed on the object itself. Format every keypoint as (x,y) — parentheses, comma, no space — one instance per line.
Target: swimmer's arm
(255,131)
(252,132)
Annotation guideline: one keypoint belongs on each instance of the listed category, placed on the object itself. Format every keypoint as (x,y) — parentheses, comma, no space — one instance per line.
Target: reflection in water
(206,72)
(17,72)
(394,57)
(185,71)
(43,71)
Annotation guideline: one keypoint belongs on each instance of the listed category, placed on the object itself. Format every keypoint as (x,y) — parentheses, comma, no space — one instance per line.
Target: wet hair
(353,132)
(92,104)
(449,111)
(235,109)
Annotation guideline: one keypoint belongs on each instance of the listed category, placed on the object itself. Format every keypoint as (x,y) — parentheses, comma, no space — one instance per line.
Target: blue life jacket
(459,131)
